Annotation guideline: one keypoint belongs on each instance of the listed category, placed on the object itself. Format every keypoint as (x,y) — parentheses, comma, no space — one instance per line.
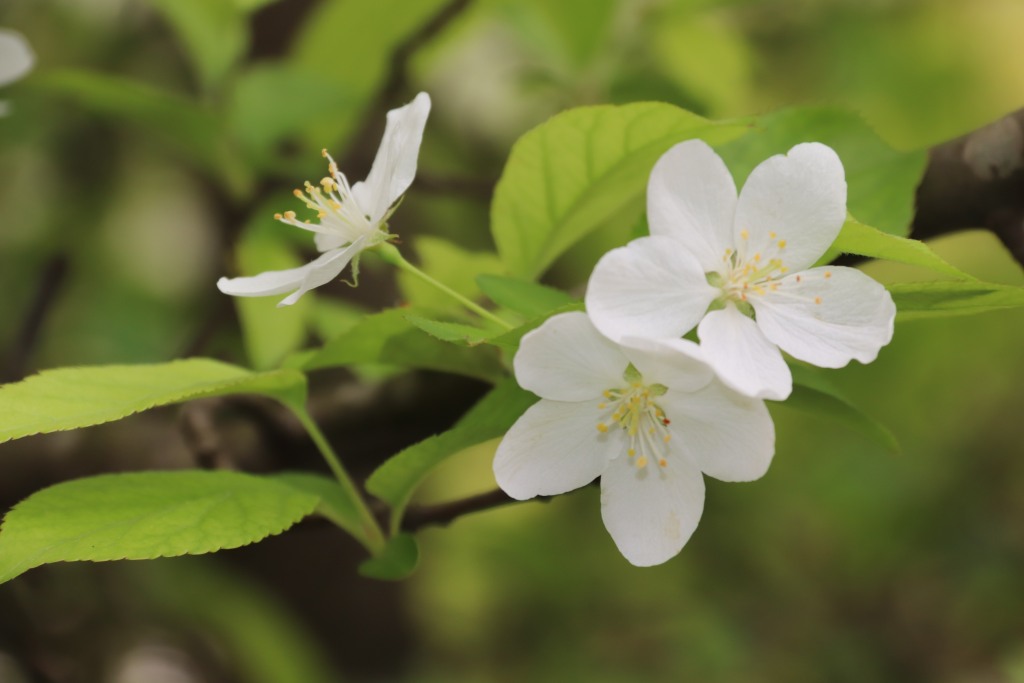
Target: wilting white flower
(742,269)
(348,218)
(16,60)
(647,419)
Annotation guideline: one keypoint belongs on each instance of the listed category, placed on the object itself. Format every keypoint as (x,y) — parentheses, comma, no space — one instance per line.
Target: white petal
(567,359)
(676,363)
(798,200)
(652,287)
(651,512)
(827,316)
(742,356)
(553,448)
(731,437)
(691,197)
(16,56)
(302,279)
(394,167)
(326,241)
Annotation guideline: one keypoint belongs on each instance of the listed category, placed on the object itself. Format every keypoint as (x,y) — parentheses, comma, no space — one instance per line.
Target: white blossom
(740,269)
(647,418)
(347,219)
(16,60)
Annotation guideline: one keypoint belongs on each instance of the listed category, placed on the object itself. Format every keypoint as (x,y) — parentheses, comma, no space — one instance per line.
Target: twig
(50,282)
(443,514)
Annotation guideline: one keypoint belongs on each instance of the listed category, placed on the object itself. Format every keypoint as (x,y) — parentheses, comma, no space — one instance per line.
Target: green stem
(391,255)
(374,537)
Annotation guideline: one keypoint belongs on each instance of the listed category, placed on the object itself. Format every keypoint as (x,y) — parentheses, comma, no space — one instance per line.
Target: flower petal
(797,201)
(302,279)
(827,316)
(691,197)
(553,448)
(676,363)
(567,359)
(652,288)
(394,167)
(651,512)
(730,436)
(742,356)
(16,56)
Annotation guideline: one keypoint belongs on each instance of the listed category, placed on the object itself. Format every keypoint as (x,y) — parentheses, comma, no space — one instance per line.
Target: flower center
(334,204)
(746,273)
(633,409)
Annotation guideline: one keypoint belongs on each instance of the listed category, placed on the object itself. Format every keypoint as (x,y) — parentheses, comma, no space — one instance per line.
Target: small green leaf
(813,393)
(397,561)
(457,333)
(395,481)
(69,398)
(214,32)
(334,502)
(880,180)
(144,515)
(509,341)
(528,298)
(387,337)
(928,299)
(581,170)
(863,240)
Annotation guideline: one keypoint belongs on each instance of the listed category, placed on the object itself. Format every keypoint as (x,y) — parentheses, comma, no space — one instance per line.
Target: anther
(782,244)
(641,462)
(631,452)
(278,216)
(817,299)
(602,427)
(663,462)
(744,234)
(290,215)
(798,278)
(828,274)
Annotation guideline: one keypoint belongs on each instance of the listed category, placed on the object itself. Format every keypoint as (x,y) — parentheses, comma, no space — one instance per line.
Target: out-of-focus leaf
(69,398)
(269,333)
(881,181)
(273,103)
(396,562)
(813,393)
(144,515)
(395,481)
(348,45)
(451,265)
(457,333)
(930,299)
(864,240)
(214,32)
(575,30)
(387,337)
(581,170)
(528,298)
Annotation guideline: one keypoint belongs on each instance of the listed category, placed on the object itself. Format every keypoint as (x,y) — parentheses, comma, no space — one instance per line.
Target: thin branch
(443,514)
(51,280)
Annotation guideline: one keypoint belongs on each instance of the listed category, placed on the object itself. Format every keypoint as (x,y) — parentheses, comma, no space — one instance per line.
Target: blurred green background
(156,134)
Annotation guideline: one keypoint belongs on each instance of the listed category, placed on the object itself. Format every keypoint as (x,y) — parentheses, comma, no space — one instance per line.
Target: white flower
(16,59)
(349,219)
(646,419)
(750,260)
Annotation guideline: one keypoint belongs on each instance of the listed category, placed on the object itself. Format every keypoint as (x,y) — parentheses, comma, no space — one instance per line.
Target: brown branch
(54,274)
(976,181)
(443,514)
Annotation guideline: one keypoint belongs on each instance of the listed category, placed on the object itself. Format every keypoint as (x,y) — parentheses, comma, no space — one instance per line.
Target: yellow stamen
(782,244)
(641,462)
(817,299)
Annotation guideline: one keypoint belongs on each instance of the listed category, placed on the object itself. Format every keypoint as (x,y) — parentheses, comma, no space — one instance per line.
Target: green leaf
(929,299)
(144,515)
(334,502)
(69,398)
(812,393)
(509,341)
(881,181)
(387,337)
(457,333)
(581,170)
(451,265)
(172,119)
(214,32)
(348,46)
(528,298)
(397,561)
(269,332)
(395,481)
(863,240)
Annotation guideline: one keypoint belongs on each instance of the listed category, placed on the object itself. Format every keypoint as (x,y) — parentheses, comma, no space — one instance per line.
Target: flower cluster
(626,399)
